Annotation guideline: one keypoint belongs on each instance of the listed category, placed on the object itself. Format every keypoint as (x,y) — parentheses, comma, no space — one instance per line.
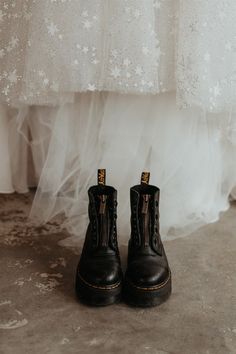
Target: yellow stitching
(154,287)
(100,287)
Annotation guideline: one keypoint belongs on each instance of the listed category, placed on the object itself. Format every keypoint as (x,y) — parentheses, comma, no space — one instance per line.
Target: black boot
(148,276)
(99,274)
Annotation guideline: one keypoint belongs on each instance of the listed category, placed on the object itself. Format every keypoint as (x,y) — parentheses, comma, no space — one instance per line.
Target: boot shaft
(144,199)
(99,273)
(102,216)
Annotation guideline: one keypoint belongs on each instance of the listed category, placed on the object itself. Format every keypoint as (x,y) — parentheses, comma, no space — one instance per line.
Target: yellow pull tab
(102,176)
(145,177)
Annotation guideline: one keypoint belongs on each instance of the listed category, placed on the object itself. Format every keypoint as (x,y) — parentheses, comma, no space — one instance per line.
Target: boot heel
(97,296)
(146,297)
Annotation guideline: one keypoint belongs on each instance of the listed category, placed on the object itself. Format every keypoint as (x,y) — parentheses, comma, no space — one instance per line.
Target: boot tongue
(145,203)
(145,219)
(103,220)
(102,204)
(103,217)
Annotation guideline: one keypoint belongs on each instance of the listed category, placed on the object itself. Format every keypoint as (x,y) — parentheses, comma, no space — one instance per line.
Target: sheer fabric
(189,153)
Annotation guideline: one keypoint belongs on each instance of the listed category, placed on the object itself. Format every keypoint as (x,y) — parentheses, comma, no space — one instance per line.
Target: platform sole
(146,297)
(93,295)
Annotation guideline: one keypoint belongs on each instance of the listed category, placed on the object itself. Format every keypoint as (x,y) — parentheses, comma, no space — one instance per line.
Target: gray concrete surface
(40,314)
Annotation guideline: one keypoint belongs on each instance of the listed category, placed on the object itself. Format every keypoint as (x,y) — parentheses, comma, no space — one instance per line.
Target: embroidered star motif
(126,62)
(145,50)
(115,72)
(138,70)
(52,29)
(85,50)
(12,77)
(91,87)
(87,24)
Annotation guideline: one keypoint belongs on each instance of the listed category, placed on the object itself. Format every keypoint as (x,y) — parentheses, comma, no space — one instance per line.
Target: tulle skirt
(190,154)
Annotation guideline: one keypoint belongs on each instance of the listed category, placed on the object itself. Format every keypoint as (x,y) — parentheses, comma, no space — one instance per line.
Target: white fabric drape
(126,85)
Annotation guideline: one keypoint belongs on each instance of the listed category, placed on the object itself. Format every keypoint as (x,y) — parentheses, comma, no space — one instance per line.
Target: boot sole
(93,295)
(146,297)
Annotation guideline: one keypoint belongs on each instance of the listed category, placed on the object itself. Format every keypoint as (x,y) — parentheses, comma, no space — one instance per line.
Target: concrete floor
(40,314)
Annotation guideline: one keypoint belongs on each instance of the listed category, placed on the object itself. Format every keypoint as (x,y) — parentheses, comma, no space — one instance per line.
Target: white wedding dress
(126,85)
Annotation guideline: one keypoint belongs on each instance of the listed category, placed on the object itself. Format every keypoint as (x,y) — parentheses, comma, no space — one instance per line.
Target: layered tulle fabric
(190,155)
(25,134)
(5,156)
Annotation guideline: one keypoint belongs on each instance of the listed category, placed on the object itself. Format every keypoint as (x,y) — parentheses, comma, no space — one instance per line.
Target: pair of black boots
(99,278)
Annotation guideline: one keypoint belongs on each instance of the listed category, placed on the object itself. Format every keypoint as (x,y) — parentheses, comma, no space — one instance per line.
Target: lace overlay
(206,63)
(50,49)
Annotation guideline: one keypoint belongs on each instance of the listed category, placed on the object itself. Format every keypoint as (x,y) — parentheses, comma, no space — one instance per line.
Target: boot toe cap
(101,273)
(147,274)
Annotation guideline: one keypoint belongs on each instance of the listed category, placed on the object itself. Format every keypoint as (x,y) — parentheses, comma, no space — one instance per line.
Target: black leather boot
(99,274)
(148,276)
